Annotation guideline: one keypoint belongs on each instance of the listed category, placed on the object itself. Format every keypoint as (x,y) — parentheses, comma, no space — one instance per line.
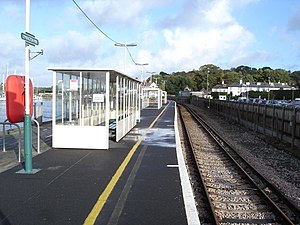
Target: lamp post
(142,65)
(151,75)
(207,72)
(29,40)
(125,46)
(27,117)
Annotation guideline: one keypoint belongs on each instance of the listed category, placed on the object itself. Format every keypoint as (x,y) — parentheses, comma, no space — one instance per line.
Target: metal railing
(19,136)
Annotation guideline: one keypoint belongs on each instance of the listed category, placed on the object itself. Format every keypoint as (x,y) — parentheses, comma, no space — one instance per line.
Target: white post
(27,49)
(125,49)
(27,117)
(62,101)
(107,109)
(125,59)
(80,100)
(54,98)
(70,106)
(117,107)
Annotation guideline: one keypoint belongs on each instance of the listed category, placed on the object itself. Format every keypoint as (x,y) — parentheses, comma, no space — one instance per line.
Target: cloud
(294,22)
(199,32)
(203,13)
(171,36)
(212,35)
(74,47)
(218,13)
(12,52)
(118,13)
(258,56)
(10,10)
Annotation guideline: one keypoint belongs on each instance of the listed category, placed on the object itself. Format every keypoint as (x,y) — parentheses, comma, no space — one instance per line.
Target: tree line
(209,75)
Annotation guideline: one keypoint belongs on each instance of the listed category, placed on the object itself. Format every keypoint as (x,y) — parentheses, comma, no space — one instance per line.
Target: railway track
(235,191)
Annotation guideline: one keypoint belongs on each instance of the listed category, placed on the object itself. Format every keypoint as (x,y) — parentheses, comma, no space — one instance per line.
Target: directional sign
(29,39)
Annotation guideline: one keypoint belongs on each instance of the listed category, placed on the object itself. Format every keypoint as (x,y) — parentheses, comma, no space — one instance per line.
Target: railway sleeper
(248,221)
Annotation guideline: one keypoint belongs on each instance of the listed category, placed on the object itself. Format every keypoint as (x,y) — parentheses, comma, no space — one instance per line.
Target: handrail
(19,137)
(38,135)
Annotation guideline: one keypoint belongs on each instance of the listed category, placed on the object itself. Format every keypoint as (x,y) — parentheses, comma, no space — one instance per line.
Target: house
(185,93)
(241,88)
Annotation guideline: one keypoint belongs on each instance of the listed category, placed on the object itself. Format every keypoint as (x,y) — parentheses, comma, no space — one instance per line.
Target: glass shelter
(164,97)
(91,106)
(152,98)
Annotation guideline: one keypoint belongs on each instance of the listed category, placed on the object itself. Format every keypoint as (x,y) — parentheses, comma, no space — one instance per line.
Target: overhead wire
(130,56)
(95,25)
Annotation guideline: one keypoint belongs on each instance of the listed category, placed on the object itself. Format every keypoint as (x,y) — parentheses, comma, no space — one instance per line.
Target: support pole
(27,143)
(125,58)
(27,118)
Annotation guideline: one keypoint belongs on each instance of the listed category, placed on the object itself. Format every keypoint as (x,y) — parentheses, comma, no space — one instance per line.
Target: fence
(275,121)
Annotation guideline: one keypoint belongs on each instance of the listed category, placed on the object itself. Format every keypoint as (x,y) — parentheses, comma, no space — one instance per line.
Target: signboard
(29,39)
(73,85)
(98,97)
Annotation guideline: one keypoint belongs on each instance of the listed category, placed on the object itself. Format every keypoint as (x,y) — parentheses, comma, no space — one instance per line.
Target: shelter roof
(89,71)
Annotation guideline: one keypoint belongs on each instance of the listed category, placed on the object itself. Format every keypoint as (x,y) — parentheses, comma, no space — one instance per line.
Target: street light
(151,75)
(142,64)
(207,72)
(125,46)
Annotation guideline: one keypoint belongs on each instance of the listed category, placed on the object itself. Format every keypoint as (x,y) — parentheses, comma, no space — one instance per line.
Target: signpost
(29,39)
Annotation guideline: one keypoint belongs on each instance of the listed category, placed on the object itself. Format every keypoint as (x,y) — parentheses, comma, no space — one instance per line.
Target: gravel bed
(275,163)
(219,173)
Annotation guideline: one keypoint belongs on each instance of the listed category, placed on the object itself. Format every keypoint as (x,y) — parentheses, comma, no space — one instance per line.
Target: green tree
(282,76)
(246,73)
(212,75)
(267,74)
(231,76)
(295,78)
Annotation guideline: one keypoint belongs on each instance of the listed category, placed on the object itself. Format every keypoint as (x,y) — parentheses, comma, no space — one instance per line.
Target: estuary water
(46,107)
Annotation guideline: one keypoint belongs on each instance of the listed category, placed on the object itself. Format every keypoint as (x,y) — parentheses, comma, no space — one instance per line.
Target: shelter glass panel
(113,98)
(80,98)
(121,99)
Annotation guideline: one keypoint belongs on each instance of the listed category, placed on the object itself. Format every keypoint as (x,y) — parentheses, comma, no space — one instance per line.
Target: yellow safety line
(91,218)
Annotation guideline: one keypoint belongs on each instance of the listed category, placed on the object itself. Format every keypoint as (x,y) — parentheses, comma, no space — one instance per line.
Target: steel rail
(189,142)
(293,207)
(223,144)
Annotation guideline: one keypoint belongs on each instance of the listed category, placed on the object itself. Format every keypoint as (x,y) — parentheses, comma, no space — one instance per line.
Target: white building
(242,88)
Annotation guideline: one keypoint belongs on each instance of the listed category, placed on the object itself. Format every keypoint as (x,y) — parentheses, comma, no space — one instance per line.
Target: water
(46,105)
(47,110)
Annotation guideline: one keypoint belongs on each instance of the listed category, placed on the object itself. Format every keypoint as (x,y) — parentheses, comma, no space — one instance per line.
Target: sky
(171,35)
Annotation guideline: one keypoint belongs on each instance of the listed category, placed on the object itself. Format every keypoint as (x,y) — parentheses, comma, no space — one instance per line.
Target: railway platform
(138,180)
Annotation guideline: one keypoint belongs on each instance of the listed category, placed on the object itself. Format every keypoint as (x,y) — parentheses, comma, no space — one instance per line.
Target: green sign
(29,39)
